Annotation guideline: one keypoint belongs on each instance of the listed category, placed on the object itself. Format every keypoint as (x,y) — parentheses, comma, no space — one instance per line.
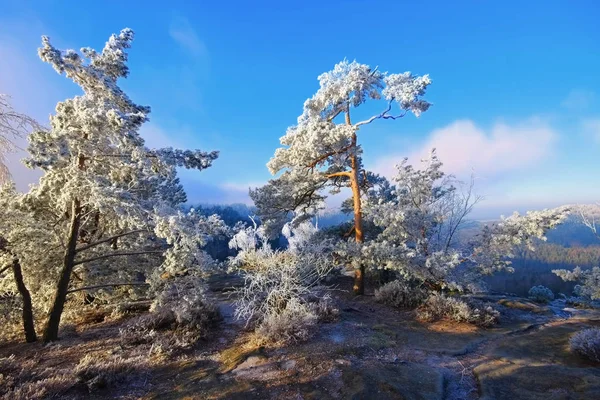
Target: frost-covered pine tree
(107,205)
(419,218)
(319,152)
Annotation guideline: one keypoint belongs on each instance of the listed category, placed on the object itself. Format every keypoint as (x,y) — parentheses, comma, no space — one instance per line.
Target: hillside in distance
(569,245)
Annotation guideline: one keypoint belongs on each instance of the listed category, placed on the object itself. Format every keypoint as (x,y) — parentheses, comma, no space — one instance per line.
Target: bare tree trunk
(51,331)
(28,325)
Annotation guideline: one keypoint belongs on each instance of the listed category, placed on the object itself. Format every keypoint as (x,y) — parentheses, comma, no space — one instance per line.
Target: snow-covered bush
(324,309)
(185,298)
(295,323)
(541,294)
(281,285)
(439,306)
(401,294)
(180,316)
(587,343)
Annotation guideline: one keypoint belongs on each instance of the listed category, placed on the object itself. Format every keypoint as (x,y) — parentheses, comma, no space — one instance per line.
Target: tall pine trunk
(28,326)
(51,331)
(359,274)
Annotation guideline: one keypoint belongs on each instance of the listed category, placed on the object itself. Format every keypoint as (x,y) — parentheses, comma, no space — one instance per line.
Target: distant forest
(570,245)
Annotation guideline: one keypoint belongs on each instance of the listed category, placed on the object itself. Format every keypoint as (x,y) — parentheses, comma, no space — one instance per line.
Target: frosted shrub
(541,294)
(587,343)
(281,287)
(185,298)
(182,308)
(324,309)
(295,323)
(401,294)
(439,307)
(483,314)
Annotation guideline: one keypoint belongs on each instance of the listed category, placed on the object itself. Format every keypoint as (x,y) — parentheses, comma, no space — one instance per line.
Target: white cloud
(238,192)
(155,137)
(192,70)
(241,187)
(463,146)
(591,127)
(185,35)
(578,100)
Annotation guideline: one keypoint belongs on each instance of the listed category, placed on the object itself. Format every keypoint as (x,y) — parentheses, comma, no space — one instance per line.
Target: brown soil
(371,352)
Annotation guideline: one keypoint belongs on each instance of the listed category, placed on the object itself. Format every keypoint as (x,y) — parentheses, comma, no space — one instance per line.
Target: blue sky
(516,87)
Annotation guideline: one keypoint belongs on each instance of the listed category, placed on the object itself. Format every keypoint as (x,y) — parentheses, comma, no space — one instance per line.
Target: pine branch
(383,115)
(5,269)
(329,154)
(342,173)
(133,253)
(88,246)
(79,289)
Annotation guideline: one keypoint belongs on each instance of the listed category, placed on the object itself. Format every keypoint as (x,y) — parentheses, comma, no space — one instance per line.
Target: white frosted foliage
(318,153)
(127,197)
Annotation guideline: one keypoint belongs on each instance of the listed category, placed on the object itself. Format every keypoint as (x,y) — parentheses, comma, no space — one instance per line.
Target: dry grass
(521,305)
(100,373)
(239,352)
(439,307)
(21,379)
(97,358)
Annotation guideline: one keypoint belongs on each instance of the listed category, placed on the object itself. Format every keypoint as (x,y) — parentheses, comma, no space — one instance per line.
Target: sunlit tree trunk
(359,273)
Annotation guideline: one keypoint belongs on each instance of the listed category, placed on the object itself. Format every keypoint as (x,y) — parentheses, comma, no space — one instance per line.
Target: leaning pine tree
(320,152)
(107,207)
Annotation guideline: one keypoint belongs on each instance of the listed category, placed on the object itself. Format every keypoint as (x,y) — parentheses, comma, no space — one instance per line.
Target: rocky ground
(371,352)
